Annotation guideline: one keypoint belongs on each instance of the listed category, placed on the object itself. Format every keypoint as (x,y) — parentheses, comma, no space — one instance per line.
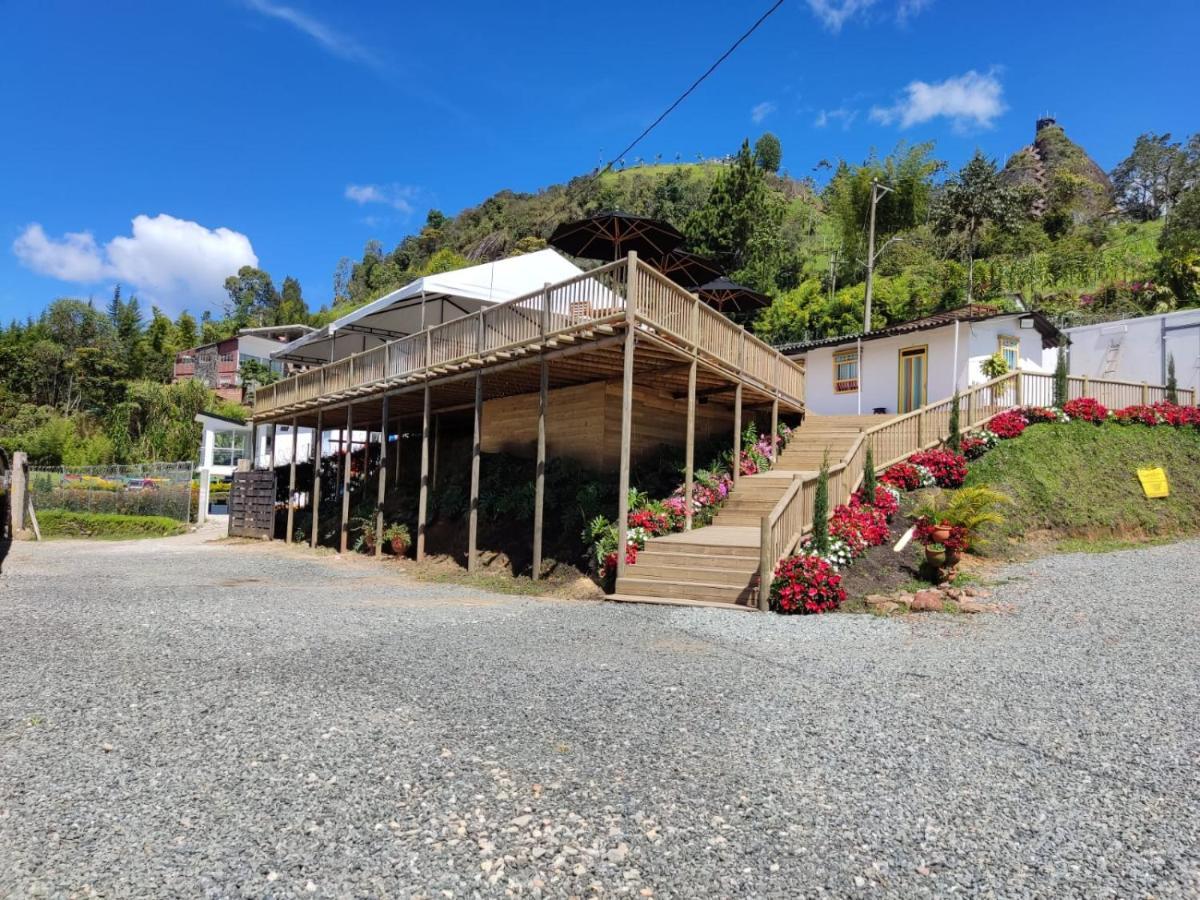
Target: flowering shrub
(806,584)
(949,469)
(1035,414)
(978,443)
(887,500)
(1086,408)
(840,554)
(924,532)
(859,524)
(1008,424)
(649,520)
(1178,416)
(1136,415)
(902,476)
(609,566)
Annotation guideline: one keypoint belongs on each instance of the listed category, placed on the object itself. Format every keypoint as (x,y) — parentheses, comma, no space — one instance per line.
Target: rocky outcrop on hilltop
(1060,181)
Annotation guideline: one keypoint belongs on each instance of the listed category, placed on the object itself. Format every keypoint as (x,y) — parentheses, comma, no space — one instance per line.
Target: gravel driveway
(182,718)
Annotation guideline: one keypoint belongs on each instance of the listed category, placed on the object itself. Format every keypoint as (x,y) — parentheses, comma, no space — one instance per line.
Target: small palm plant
(971,509)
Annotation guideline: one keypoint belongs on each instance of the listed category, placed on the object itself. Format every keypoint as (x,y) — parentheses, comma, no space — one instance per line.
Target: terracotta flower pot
(936,558)
(369,542)
(399,546)
(953,557)
(940,533)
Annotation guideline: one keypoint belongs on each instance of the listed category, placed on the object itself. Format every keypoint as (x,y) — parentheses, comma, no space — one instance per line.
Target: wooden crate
(252,504)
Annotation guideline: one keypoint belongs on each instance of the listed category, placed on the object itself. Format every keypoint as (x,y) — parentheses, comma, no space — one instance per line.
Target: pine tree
(1060,377)
(954,438)
(868,481)
(820,529)
(1172,384)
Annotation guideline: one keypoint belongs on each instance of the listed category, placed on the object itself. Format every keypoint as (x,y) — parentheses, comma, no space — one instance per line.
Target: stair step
(687,590)
(738,520)
(681,601)
(676,574)
(700,548)
(660,556)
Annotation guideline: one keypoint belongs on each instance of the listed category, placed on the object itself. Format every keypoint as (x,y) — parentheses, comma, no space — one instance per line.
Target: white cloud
(330,39)
(762,110)
(399,197)
(967,100)
(835,13)
(909,9)
(171,261)
(841,115)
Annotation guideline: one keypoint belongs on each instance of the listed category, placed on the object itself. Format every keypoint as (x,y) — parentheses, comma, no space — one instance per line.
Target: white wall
(1142,349)
(881,365)
(284,445)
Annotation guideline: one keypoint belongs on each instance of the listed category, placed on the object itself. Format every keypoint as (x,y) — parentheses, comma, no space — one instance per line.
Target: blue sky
(161,144)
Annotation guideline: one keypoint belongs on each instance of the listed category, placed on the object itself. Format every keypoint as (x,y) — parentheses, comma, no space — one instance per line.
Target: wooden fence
(252,504)
(897,439)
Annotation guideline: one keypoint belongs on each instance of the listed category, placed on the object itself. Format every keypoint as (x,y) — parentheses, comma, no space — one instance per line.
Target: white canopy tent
(428,301)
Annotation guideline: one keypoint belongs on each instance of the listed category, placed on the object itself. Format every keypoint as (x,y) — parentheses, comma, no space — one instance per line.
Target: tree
(1172,383)
(1061,385)
(254,371)
(973,198)
(820,527)
(954,438)
(768,152)
(341,281)
(1179,244)
(253,299)
(869,484)
(292,308)
(1150,180)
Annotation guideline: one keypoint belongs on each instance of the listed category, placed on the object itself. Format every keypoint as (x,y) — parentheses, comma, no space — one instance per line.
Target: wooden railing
(897,439)
(587,301)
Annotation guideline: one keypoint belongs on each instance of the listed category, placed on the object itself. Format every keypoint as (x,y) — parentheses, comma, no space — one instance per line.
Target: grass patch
(1106,545)
(64,523)
(1079,481)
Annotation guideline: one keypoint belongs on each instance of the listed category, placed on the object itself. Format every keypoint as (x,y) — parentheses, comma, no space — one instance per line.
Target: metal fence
(153,489)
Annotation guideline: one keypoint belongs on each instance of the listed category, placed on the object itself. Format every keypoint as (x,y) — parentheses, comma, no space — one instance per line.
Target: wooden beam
(423,501)
(473,507)
(689,474)
(626,414)
(775,430)
(291,516)
(539,482)
(314,499)
(737,434)
(346,467)
(381,491)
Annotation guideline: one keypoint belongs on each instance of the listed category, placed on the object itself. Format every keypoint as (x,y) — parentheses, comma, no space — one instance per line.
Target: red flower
(1034,414)
(1008,424)
(885,501)
(1136,415)
(973,447)
(1087,409)
(806,584)
(902,476)
(949,469)
(1178,416)
(859,526)
(923,532)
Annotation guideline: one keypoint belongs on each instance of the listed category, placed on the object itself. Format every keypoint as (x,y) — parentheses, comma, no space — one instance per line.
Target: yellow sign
(1154,481)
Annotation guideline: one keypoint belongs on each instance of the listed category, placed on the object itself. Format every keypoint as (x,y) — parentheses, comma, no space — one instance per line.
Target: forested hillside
(1047,228)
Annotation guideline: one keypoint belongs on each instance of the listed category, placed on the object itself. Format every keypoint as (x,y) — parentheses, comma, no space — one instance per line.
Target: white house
(901,367)
(1138,349)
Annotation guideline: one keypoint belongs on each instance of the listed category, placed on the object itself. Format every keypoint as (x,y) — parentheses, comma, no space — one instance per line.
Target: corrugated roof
(975,312)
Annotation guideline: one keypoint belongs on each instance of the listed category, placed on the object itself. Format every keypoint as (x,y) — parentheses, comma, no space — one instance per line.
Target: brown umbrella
(730,297)
(610,235)
(687,269)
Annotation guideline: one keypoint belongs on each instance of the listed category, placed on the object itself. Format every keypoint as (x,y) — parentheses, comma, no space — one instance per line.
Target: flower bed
(949,469)
(1086,408)
(1008,425)
(806,584)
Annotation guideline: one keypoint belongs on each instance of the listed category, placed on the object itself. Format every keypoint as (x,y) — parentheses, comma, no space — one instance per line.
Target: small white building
(1138,349)
(902,367)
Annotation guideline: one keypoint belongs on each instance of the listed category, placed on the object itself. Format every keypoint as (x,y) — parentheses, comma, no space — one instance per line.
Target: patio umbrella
(608,236)
(687,269)
(729,297)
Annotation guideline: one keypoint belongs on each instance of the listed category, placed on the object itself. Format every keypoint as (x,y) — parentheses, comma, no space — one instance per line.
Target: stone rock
(878,599)
(929,600)
(617,854)
(970,606)
(904,599)
(977,592)
(886,608)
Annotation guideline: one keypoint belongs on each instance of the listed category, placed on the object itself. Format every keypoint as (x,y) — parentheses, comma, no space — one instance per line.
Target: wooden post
(920,426)
(689,473)
(775,429)
(1020,392)
(473,507)
(1145,394)
(291,516)
(17,488)
(423,501)
(315,499)
(274,439)
(970,407)
(345,542)
(626,414)
(381,491)
(765,575)
(737,434)
(539,483)
(1086,387)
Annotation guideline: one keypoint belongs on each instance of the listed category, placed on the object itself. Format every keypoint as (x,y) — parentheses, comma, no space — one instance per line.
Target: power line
(695,84)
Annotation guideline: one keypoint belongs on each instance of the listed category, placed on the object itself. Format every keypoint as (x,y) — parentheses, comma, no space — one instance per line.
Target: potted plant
(954,520)
(936,554)
(366,533)
(397,537)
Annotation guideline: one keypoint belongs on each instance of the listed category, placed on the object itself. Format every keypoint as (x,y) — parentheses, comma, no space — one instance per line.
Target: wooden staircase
(718,565)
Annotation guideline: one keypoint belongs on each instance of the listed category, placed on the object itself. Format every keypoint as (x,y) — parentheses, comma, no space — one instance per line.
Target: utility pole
(832,274)
(877,191)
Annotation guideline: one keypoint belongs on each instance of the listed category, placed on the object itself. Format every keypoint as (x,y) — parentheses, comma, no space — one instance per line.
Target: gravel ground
(182,718)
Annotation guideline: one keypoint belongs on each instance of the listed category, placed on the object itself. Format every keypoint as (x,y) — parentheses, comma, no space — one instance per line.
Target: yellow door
(913,378)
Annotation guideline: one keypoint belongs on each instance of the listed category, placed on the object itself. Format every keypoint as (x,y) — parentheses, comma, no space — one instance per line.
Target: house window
(845,371)
(1010,348)
(229,447)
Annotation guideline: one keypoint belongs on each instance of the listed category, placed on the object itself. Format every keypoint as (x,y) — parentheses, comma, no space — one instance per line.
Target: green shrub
(64,523)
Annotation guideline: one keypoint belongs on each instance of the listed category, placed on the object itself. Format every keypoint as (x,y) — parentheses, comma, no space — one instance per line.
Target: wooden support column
(271,454)
(775,429)
(626,414)
(737,434)
(314,499)
(1020,391)
(539,478)
(291,516)
(473,503)
(689,465)
(423,501)
(381,492)
(345,530)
